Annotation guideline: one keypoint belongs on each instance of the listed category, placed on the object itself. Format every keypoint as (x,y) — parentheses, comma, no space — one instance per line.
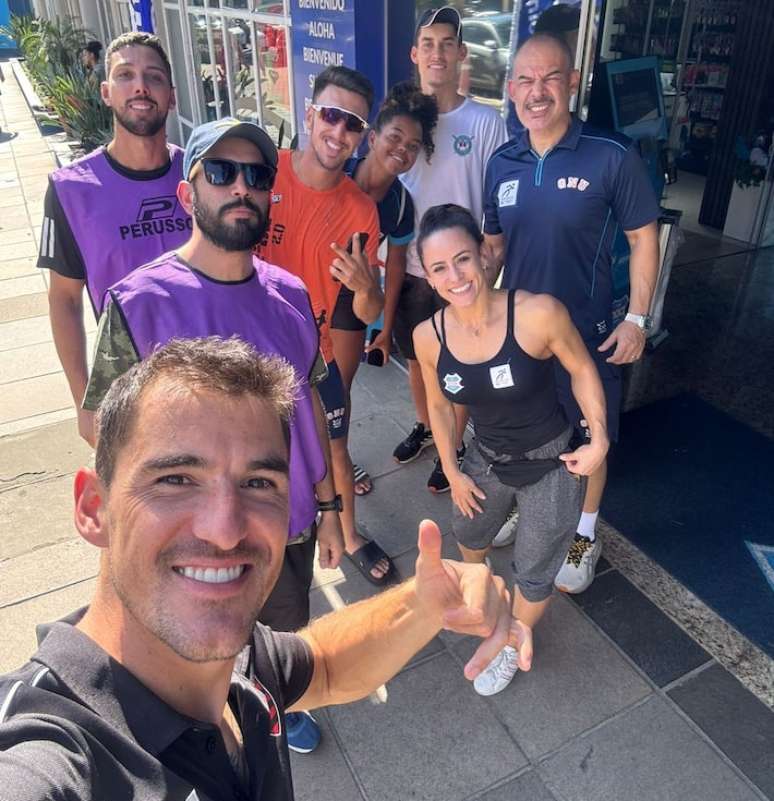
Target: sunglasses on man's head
(333,115)
(223,172)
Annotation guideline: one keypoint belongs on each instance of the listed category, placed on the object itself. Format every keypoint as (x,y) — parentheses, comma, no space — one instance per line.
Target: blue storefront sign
(143,15)
(5,18)
(528,16)
(372,36)
(323,36)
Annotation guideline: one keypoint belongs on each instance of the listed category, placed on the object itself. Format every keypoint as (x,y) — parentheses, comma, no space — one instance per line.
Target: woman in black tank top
(491,351)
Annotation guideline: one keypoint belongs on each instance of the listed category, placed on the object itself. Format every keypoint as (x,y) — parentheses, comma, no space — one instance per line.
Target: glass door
(766,214)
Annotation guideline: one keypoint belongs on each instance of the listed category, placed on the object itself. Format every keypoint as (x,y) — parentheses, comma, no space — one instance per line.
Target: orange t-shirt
(302,224)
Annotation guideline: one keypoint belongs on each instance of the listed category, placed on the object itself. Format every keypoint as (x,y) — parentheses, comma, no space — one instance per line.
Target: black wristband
(334,505)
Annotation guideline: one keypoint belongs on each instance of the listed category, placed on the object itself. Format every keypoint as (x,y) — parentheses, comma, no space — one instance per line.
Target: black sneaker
(438,483)
(419,439)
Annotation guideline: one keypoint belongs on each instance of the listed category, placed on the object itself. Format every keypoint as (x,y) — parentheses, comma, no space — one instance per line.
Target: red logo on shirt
(269,704)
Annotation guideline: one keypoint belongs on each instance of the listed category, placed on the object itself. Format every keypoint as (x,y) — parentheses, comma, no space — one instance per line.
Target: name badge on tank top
(501,376)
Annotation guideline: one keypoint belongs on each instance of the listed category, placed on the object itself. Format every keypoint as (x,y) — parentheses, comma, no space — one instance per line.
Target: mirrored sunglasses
(222,172)
(333,115)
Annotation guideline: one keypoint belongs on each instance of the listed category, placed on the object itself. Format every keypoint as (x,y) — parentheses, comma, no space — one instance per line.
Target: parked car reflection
(487,36)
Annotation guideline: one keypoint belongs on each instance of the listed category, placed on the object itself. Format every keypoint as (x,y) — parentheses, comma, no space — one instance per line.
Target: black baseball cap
(445,15)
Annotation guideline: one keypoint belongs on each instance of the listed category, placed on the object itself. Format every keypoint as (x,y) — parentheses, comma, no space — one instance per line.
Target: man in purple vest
(213,285)
(116,208)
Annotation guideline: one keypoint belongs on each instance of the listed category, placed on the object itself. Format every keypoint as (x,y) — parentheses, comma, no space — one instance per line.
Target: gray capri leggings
(548,517)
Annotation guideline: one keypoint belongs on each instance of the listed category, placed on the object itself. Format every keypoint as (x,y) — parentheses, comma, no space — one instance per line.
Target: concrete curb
(64,149)
(27,89)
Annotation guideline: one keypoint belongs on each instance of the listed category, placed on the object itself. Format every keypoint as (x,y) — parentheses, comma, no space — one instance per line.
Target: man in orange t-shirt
(304,224)
(315,211)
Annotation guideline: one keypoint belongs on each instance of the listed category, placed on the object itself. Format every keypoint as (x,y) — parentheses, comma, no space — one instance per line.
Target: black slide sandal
(366,557)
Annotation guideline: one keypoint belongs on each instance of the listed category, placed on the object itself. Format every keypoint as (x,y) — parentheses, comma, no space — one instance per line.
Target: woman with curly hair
(401,133)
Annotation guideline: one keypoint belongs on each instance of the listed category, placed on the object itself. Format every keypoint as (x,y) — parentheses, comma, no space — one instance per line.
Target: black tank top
(511,397)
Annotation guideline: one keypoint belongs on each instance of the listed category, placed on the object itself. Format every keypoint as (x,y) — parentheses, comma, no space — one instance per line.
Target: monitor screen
(636,97)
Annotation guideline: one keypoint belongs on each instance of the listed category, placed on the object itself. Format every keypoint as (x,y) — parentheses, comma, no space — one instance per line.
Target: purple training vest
(119,223)
(270,309)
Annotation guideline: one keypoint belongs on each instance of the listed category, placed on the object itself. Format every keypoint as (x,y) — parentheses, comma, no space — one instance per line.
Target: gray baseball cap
(205,137)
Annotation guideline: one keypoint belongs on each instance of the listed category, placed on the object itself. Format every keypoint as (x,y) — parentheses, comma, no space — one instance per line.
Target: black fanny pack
(519,471)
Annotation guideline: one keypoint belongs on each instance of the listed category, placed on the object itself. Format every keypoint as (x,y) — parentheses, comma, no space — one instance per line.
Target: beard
(239,235)
(149,126)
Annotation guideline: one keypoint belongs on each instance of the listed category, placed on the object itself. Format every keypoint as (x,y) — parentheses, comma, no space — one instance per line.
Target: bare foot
(363,482)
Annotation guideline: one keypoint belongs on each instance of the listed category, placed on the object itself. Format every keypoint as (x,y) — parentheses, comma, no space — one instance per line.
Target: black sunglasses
(223,172)
(333,115)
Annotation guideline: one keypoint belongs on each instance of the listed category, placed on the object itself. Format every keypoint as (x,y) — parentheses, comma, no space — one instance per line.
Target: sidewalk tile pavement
(658,646)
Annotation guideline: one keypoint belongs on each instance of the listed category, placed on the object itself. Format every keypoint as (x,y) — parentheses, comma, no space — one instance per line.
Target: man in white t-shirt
(466,136)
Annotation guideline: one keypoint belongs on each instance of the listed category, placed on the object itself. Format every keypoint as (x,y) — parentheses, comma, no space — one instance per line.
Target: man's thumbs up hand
(468,599)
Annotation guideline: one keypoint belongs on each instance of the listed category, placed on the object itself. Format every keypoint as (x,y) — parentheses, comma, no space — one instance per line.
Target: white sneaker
(577,572)
(507,533)
(498,673)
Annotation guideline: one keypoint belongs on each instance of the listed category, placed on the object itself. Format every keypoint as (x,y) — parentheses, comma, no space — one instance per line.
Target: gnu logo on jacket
(463,144)
(572,182)
(452,382)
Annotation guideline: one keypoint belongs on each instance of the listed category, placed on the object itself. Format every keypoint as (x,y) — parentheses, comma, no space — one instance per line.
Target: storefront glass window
(487,38)
(765,153)
(271,44)
(182,86)
(269,6)
(74,12)
(233,65)
(110,20)
(240,62)
(125,17)
(749,215)
(209,68)
(218,50)
(186,132)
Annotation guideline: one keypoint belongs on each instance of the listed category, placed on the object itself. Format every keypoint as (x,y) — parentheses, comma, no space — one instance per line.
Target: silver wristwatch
(642,321)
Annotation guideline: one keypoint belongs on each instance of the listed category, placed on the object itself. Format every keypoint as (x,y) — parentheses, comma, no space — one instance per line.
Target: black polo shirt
(75,724)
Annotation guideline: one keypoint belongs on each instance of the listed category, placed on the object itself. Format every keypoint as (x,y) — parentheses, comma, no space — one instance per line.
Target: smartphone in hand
(363,240)
(374,357)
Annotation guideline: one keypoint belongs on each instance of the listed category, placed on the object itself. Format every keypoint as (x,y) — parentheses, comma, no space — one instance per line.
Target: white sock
(587,524)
